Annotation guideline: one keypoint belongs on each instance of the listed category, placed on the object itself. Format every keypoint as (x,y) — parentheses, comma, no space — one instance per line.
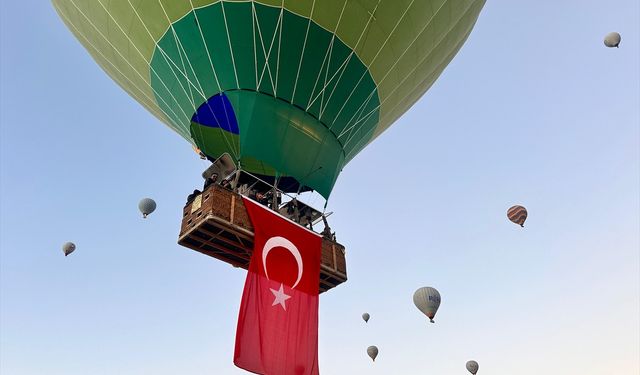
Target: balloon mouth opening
(144,216)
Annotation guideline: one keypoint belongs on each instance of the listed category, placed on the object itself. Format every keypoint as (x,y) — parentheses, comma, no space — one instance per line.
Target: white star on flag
(280,297)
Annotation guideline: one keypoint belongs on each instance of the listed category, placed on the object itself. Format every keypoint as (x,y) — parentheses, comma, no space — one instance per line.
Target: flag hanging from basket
(277,330)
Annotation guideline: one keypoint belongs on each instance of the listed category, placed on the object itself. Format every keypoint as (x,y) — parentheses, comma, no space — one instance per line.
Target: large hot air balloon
(472,367)
(372,352)
(292,89)
(427,300)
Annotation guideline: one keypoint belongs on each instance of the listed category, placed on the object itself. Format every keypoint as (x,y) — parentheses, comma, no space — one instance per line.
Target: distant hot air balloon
(472,367)
(517,214)
(427,300)
(68,248)
(372,351)
(612,40)
(146,206)
(366,317)
(216,72)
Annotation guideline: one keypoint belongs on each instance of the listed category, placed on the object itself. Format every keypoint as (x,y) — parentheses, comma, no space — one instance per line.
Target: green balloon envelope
(293,89)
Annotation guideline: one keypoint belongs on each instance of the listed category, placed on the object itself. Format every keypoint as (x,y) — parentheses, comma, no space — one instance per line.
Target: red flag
(278,322)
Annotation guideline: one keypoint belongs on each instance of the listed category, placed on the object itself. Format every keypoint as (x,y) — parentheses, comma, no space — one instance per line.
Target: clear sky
(533,110)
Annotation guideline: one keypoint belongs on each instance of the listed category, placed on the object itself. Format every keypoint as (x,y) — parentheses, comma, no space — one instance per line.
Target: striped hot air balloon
(517,214)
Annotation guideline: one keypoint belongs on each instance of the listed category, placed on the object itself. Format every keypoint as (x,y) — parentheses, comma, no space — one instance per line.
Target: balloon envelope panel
(294,88)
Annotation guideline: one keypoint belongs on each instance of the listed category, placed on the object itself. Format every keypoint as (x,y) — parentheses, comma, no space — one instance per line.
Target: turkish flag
(278,322)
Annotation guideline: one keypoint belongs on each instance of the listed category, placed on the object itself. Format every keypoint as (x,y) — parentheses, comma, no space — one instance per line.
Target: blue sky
(533,110)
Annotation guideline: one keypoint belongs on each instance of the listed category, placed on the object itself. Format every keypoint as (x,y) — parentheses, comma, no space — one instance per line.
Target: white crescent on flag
(278,241)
